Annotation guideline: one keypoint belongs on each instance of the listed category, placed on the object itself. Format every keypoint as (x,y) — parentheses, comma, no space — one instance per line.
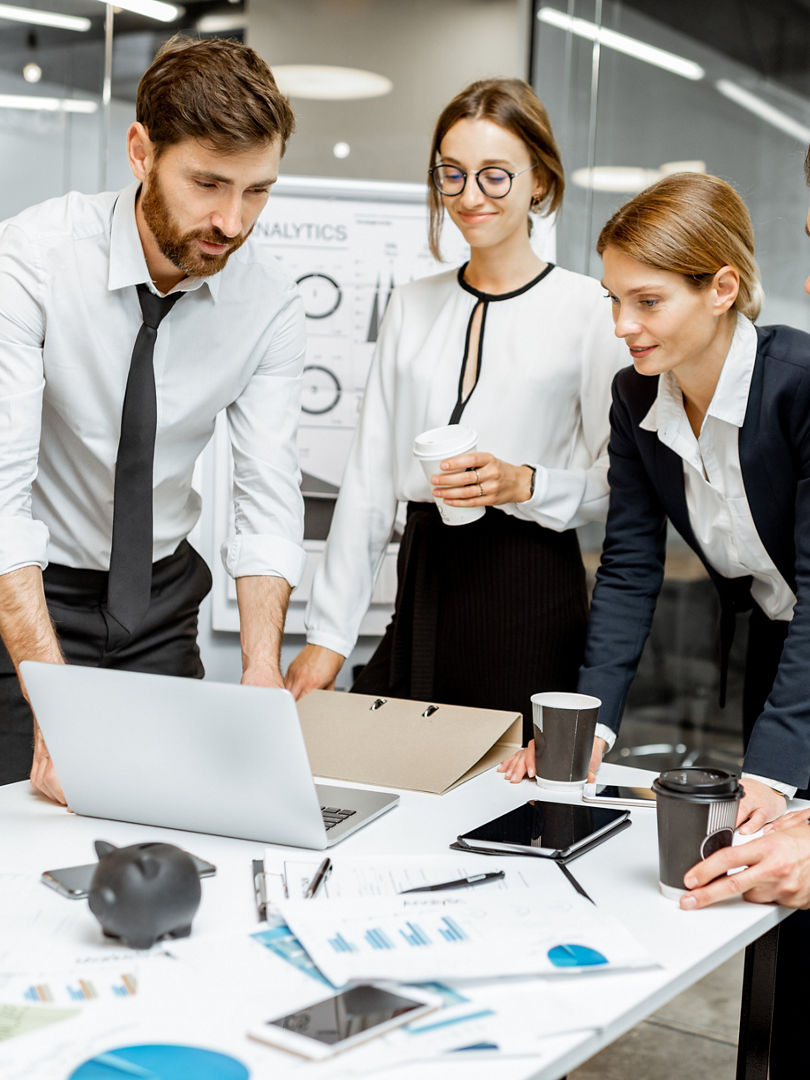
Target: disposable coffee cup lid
(698,783)
(445,441)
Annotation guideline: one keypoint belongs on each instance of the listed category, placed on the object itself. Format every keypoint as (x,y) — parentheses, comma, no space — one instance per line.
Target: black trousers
(164,644)
(790,1047)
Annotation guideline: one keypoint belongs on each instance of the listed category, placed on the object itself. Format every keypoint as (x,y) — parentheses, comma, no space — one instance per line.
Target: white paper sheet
(444,936)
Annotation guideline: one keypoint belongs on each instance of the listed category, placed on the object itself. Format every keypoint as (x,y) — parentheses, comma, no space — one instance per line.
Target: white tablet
(344,1020)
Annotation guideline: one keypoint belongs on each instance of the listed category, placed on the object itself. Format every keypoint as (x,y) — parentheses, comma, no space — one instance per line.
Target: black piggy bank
(144,892)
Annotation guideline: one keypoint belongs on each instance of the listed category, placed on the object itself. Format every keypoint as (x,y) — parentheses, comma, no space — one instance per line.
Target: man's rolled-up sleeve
(263,425)
(23,540)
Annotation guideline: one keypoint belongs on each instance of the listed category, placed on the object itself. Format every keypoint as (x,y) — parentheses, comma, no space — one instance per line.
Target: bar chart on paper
(55,990)
(443,937)
(413,934)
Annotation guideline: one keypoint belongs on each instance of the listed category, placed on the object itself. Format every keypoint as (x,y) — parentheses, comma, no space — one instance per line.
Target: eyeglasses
(494,182)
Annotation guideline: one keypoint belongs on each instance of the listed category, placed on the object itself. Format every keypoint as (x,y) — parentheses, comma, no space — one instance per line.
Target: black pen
(574,881)
(259,891)
(318,878)
(459,883)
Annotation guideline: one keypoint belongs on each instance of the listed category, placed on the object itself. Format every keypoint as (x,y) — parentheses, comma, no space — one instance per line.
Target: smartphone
(74,881)
(618,795)
(343,1020)
(551,830)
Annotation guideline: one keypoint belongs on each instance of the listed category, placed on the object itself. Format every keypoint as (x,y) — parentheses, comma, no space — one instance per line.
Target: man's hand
(262,676)
(28,634)
(759,805)
(315,668)
(262,609)
(777,871)
(43,774)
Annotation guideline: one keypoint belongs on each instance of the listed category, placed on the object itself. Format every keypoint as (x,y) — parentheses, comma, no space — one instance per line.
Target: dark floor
(699,1027)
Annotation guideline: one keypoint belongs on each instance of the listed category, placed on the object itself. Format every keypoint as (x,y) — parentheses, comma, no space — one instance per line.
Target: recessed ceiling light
(628,179)
(639,50)
(34,17)
(152,9)
(48,104)
(222,23)
(769,113)
(341,150)
(32,72)
(323,83)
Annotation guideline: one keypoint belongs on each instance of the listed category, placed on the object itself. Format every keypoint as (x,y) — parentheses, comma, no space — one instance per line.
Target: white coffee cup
(433,447)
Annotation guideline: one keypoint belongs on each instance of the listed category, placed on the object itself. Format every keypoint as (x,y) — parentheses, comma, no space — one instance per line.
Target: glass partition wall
(635,91)
(69,70)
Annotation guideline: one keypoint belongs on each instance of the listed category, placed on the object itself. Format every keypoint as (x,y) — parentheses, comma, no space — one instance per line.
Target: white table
(620,875)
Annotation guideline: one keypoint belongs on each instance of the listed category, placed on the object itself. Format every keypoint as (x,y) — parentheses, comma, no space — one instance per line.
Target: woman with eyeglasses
(521,351)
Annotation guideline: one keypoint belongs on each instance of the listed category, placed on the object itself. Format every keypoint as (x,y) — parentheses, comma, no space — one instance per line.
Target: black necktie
(130,581)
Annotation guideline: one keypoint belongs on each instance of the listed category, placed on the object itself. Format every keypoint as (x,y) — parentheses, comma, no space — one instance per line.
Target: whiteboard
(347,243)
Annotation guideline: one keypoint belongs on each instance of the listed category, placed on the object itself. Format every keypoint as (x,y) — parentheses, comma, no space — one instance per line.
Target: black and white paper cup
(697,812)
(564,726)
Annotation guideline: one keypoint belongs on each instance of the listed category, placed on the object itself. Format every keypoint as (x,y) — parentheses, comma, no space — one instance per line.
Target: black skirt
(486,614)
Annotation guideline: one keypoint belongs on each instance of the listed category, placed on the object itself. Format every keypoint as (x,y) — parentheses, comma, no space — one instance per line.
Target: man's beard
(180,248)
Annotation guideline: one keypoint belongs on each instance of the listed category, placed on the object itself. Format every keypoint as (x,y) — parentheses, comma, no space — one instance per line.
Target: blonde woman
(710,429)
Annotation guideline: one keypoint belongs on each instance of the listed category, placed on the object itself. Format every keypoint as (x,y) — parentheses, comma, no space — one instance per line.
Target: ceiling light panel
(629,46)
(35,17)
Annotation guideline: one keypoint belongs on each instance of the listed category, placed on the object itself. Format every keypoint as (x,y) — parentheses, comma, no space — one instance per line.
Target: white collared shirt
(718,507)
(69,316)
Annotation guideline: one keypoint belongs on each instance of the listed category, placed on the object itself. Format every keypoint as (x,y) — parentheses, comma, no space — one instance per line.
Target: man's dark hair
(218,91)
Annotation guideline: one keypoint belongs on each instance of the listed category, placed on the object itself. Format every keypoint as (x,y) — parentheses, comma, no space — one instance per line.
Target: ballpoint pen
(459,883)
(574,881)
(259,890)
(318,878)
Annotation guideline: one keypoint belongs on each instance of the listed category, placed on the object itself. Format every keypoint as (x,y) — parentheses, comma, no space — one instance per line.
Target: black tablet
(550,830)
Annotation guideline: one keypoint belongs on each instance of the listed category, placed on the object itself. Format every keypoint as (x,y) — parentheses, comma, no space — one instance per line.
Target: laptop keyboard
(332,816)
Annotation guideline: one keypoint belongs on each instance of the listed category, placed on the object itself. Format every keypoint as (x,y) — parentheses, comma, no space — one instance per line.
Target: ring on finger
(480,489)
(477,477)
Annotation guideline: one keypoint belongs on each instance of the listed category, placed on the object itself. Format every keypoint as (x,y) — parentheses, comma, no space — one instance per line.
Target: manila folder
(417,745)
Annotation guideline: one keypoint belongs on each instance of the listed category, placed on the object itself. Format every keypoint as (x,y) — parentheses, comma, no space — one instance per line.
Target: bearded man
(128,321)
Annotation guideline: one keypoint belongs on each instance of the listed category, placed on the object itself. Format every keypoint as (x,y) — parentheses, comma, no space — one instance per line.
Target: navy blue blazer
(647,488)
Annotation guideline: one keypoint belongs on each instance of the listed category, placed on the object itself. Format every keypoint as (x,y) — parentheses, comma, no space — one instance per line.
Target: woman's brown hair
(514,106)
(690,224)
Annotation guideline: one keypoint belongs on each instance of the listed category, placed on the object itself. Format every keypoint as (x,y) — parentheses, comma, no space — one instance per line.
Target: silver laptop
(190,754)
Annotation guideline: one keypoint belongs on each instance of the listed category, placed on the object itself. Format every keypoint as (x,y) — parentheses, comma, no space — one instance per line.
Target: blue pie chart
(565,956)
(161,1062)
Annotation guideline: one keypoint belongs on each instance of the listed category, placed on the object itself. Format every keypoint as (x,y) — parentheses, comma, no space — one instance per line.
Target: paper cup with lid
(433,447)
(697,813)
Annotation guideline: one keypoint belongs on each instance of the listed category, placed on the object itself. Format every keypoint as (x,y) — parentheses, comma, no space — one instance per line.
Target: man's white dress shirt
(69,316)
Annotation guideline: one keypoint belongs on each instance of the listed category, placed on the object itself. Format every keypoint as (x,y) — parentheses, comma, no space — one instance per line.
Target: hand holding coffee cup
(464,482)
(564,727)
(697,811)
(437,445)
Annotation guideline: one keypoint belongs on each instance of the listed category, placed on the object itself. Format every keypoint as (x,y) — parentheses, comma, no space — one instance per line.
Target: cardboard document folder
(417,745)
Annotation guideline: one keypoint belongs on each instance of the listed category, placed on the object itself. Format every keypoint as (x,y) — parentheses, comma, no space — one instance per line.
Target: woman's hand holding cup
(521,764)
(480,479)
